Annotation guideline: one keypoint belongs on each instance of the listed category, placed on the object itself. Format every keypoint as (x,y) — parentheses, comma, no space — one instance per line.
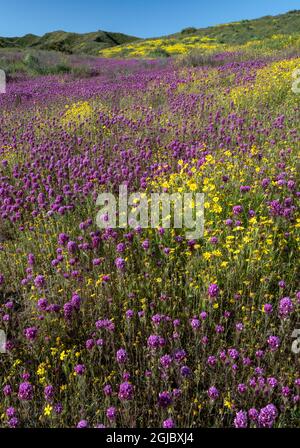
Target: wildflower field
(182,45)
(143,327)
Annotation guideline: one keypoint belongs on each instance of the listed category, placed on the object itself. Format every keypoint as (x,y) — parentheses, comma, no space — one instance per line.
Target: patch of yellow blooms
(273,82)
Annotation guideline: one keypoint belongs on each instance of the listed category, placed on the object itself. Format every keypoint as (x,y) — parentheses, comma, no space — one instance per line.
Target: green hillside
(267,34)
(247,30)
(220,37)
(89,43)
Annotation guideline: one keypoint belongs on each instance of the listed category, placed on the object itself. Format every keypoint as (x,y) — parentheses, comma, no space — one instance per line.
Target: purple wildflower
(213,393)
(274,342)
(164,399)
(169,423)
(31,333)
(82,424)
(25,391)
(120,263)
(111,413)
(125,391)
(79,369)
(213,290)
(267,416)
(121,356)
(286,307)
(241,419)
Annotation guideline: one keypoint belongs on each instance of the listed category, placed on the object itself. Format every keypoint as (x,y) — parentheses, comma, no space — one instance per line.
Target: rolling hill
(269,33)
(223,37)
(247,30)
(89,43)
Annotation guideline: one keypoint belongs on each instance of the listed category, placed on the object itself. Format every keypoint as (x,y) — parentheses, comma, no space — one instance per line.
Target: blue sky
(143,18)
